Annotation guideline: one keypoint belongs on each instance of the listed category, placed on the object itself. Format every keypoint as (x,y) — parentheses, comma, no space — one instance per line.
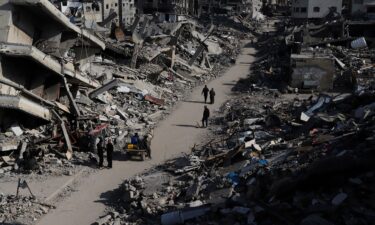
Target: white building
(314,9)
(128,12)
(110,6)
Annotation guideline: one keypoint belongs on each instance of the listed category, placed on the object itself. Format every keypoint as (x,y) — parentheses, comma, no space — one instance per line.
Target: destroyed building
(169,10)
(315,9)
(313,69)
(363,8)
(90,13)
(269,150)
(46,52)
(74,80)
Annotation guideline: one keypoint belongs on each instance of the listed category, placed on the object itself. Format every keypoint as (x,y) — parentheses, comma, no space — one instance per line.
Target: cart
(133,150)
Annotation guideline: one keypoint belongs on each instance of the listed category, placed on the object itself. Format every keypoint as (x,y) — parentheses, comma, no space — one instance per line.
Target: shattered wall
(314,8)
(110,6)
(312,72)
(128,12)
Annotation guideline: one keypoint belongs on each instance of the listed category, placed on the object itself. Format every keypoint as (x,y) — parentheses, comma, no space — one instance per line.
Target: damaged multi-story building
(313,69)
(41,53)
(315,9)
(168,10)
(103,12)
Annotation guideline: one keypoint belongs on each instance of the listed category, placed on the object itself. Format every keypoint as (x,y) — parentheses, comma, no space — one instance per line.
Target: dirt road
(176,134)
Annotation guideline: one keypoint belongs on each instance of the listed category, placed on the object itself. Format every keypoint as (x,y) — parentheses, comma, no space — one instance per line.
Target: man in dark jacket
(109,152)
(212,96)
(205,93)
(206,114)
(99,147)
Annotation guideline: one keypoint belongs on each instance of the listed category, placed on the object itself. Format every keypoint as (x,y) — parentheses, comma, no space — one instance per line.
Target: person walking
(205,93)
(212,96)
(99,147)
(145,144)
(109,152)
(206,114)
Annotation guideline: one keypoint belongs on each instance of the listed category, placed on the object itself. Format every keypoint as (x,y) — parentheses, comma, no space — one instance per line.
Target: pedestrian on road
(134,139)
(99,147)
(148,145)
(205,93)
(109,152)
(212,96)
(206,114)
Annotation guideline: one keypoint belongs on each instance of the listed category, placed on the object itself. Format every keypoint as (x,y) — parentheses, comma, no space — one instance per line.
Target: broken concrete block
(117,221)
(16,130)
(195,203)
(155,116)
(179,217)
(129,196)
(114,214)
(339,198)
(241,210)
(315,220)
(103,220)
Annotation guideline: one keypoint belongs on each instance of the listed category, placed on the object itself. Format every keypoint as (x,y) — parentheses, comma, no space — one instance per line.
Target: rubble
(79,81)
(21,209)
(279,154)
(297,174)
(97,90)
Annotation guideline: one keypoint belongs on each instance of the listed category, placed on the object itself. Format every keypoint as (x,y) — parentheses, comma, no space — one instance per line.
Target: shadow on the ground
(111,197)
(186,125)
(193,101)
(120,155)
(11,223)
(229,84)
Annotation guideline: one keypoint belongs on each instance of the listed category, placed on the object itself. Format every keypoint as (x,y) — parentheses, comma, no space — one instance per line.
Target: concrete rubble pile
(278,154)
(286,160)
(21,208)
(63,85)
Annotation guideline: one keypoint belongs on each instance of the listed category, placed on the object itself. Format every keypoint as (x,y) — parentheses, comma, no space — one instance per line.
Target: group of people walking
(101,146)
(206,112)
(207,91)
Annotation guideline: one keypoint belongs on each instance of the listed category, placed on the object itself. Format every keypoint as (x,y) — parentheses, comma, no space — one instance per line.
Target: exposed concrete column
(120,14)
(173,56)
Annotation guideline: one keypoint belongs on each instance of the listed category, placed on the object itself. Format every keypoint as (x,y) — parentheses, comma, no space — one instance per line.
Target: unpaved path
(176,134)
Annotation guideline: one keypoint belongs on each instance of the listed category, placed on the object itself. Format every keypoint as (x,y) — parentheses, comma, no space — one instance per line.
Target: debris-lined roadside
(109,99)
(84,94)
(293,147)
(274,158)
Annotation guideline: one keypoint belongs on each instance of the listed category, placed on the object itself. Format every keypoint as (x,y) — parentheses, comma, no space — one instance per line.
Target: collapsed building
(64,84)
(312,69)
(277,154)
(39,62)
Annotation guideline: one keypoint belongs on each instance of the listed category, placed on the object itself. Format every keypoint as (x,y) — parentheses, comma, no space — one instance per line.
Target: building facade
(314,9)
(121,12)
(364,8)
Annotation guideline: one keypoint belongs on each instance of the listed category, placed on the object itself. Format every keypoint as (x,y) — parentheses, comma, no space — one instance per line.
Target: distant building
(315,9)
(365,8)
(110,6)
(128,12)
(312,69)
(168,10)
(100,10)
